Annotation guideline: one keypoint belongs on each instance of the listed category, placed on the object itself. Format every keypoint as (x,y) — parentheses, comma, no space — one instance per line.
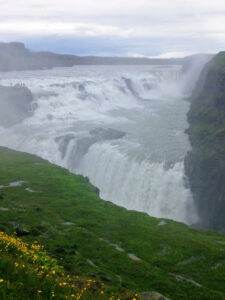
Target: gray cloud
(136,20)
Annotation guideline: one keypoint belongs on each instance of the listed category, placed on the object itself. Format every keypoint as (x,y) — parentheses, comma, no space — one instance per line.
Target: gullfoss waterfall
(121,126)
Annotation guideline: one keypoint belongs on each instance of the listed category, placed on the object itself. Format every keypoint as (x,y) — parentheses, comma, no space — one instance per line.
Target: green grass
(85,248)
(27,272)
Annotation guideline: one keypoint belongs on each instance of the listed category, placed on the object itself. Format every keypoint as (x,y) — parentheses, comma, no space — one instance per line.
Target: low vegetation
(101,247)
(27,272)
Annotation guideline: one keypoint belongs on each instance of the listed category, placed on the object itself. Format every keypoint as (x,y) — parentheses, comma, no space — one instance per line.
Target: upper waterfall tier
(122,126)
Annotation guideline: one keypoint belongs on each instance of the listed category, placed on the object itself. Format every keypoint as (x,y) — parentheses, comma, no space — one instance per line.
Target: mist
(120,126)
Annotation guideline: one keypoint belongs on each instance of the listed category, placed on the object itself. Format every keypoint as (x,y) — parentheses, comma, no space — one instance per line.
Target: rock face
(107,133)
(15,104)
(152,296)
(83,144)
(205,164)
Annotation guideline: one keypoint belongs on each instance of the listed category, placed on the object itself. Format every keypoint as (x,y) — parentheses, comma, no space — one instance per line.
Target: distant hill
(15,56)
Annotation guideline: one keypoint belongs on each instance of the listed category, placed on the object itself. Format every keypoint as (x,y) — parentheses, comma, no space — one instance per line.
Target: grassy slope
(63,197)
(27,272)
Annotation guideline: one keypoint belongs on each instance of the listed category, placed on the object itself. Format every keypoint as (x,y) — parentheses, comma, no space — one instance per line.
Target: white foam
(144,186)
(130,172)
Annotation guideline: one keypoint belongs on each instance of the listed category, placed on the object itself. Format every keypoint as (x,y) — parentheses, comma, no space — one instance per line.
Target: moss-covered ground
(126,250)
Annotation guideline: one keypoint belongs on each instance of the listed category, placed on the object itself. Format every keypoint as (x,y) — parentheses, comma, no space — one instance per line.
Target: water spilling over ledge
(123,127)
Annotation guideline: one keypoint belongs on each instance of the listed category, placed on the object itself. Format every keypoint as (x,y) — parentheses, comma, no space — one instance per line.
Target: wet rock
(81,88)
(49,117)
(90,262)
(68,223)
(30,190)
(98,134)
(117,247)
(162,223)
(96,190)
(13,184)
(130,87)
(133,256)
(16,183)
(218,265)
(15,104)
(204,164)
(4,208)
(107,133)
(168,165)
(46,94)
(179,277)
(152,295)
(63,142)
(62,85)
(83,144)
(190,260)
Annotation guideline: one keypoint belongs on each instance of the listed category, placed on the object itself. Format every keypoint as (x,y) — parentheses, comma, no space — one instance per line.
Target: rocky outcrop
(83,144)
(205,164)
(107,133)
(15,104)
(152,296)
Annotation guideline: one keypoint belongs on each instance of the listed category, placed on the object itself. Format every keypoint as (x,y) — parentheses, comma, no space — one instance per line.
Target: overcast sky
(116,27)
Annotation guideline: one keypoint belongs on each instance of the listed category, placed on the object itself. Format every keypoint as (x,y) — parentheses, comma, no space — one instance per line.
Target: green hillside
(92,238)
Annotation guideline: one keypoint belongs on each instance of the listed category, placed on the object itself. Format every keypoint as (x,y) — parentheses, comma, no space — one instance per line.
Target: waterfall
(123,127)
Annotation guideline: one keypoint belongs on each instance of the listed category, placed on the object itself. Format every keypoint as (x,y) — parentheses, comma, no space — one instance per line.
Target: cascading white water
(161,191)
(123,127)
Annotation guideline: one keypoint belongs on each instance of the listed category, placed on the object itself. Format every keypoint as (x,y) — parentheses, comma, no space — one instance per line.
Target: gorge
(126,155)
(77,112)
(122,127)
